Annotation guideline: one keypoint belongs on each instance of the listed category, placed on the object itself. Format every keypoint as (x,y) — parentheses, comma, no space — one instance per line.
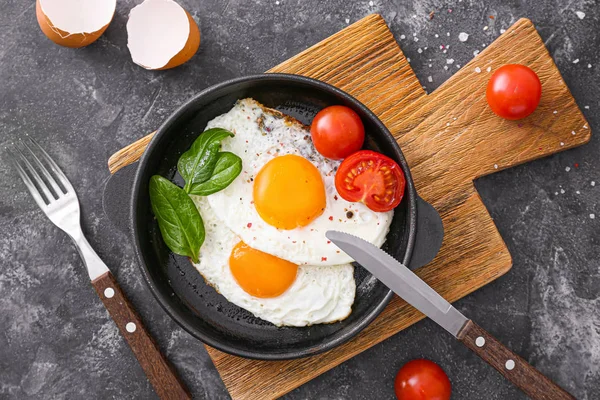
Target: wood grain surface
(449,138)
(159,371)
(511,366)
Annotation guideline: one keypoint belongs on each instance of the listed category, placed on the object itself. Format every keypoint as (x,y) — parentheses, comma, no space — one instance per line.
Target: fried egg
(271,288)
(285,199)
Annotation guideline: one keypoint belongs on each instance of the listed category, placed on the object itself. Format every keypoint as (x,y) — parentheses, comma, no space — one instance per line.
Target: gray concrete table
(56,339)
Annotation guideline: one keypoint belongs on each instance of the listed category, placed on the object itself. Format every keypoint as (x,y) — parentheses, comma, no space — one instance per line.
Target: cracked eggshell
(74,23)
(161,34)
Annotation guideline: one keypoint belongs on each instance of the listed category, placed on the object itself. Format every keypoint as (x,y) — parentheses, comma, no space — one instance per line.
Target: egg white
(262,134)
(320,294)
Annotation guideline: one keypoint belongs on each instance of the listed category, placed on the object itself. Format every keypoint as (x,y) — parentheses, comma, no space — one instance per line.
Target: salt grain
(585,127)
(575,61)
(416,39)
(562,191)
(475,53)
(408,59)
(348,21)
(495,166)
(458,66)
(429,65)
(477,69)
(592,216)
(429,79)
(580,14)
(589,65)
(578,192)
(447,123)
(450,61)
(554,112)
(446,67)
(414,33)
(556,193)
(463,36)
(502,30)
(447,33)
(573,133)
(402,37)
(593,183)
(489,69)
(586,107)
(562,143)
(436,35)
(371,4)
(419,50)
(567,169)
(485,28)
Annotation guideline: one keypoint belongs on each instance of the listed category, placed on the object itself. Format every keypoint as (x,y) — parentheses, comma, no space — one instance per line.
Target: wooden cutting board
(450,137)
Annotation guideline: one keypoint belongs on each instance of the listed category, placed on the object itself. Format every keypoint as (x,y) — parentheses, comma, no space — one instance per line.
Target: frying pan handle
(430,233)
(116,197)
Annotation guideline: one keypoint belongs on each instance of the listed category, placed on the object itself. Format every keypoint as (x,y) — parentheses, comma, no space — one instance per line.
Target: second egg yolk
(289,192)
(260,274)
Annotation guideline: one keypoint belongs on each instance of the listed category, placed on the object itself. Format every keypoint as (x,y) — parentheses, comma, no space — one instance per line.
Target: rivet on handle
(130,327)
(480,341)
(510,364)
(109,292)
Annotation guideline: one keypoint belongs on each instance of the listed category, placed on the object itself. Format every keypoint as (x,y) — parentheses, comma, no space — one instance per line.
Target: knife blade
(401,280)
(420,295)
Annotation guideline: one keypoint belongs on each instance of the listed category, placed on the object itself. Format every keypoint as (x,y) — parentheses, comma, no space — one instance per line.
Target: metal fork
(55,195)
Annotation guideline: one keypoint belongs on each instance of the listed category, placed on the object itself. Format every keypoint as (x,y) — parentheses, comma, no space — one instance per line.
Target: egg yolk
(261,274)
(289,192)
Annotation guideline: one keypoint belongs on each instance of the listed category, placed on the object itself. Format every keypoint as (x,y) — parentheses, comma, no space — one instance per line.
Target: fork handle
(159,371)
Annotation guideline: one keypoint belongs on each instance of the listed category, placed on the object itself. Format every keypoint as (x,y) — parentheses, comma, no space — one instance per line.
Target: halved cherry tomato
(422,380)
(514,91)
(371,178)
(337,132)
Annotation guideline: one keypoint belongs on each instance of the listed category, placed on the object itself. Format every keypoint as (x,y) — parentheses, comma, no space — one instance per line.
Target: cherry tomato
(514,91)
(422,380)
(371,178)
(337,132)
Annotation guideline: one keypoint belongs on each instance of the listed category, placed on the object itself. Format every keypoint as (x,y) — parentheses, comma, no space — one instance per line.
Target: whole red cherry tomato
(514,91)
(422,380)
(337,132)
(371,178)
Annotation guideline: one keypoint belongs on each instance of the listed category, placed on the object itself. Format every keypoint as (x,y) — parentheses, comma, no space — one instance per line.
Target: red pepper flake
(576,165)
(520,125)
(331,217)
(293,241)
(329,241)
(539,148)
(492,17)
(335,197)
(249,225)
(323,258)
(337,251)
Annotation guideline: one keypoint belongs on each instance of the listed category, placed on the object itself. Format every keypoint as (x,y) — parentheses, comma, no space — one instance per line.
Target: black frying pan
(415,234)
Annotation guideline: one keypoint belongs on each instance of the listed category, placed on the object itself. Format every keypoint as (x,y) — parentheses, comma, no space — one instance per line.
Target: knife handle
(160,373)
(514,368)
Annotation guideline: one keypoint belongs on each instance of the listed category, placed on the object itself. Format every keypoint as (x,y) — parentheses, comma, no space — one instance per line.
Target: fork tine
(36,177)
(44,170)
(32,189)
(53,166)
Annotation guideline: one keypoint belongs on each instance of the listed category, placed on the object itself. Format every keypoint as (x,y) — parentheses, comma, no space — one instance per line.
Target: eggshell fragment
(161,34)
(74,23)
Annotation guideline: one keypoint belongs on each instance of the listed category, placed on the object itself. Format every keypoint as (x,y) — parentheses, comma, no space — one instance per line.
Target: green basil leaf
(198,163)
(227,168)
(178,218)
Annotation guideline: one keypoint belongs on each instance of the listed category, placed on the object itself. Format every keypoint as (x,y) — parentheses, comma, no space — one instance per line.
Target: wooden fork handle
(160,373)
(514,368)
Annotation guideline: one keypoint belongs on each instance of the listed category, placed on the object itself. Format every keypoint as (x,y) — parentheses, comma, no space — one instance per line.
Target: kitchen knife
(420,295)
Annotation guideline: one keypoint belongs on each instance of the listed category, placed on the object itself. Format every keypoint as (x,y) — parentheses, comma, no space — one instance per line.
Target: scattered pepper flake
(249,225)
(576,165)
(331,217)
(323,258)
(492,17)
